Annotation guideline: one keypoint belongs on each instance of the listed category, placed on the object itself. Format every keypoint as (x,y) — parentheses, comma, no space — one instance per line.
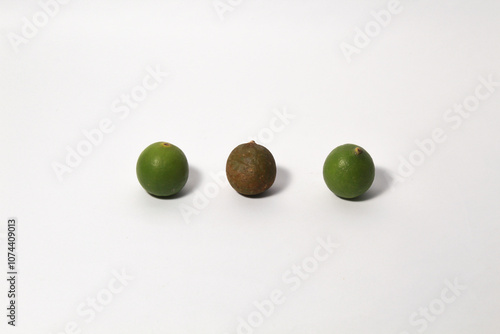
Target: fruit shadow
(193,182)
(380,185)
(283,179)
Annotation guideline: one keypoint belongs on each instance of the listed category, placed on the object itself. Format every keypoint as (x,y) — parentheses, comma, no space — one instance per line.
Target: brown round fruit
(251,169)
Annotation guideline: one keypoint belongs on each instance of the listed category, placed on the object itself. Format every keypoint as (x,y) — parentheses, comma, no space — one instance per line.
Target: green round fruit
(162,169)
(349,171)
(251,169)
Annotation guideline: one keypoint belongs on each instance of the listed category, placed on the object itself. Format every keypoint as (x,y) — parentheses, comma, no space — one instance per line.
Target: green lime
(162,169)
(349,171)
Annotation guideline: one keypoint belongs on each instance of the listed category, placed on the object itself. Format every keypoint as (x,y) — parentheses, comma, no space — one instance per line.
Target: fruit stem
(252,142)
(358,150)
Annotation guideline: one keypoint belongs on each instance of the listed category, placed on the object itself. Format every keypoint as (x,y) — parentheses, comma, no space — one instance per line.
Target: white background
(399,244)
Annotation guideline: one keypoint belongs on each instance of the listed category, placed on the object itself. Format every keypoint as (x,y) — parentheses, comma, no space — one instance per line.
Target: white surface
(398,247)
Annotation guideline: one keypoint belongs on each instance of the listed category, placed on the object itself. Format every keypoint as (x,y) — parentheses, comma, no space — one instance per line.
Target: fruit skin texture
(349,171)
(251,169)
(162,169)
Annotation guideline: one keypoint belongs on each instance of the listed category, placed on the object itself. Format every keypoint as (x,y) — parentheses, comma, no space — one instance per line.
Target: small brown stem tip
(358,150)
